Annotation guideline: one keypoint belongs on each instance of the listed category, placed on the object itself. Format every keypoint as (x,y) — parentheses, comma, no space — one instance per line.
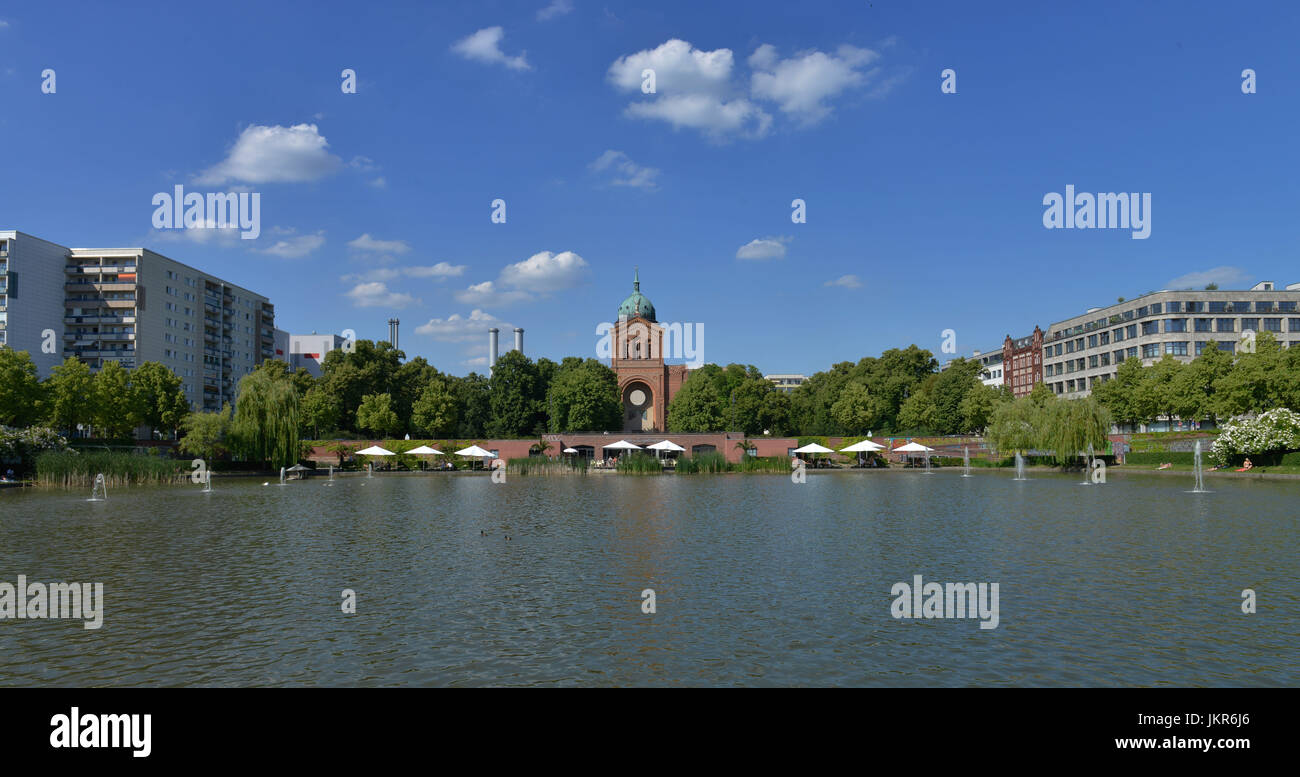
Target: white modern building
(787,382)
(306,351)
(132,305)
(1080,352)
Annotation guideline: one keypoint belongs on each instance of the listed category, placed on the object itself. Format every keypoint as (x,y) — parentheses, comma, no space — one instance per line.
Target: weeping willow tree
(265,427)
(1073,425)
(1019,425)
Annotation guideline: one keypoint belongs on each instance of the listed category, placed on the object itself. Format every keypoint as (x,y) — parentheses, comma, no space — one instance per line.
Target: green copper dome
(638,304)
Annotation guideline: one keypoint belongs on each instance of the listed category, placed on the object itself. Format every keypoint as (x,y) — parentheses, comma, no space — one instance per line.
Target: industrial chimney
(492,347)
(519,340)
(393,324)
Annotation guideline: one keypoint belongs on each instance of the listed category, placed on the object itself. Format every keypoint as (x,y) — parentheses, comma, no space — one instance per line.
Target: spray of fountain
(330,482)
(965,461)
(1020,466)
(282,481)
(207,482)
(99,491)
(1199,488)
(370,469)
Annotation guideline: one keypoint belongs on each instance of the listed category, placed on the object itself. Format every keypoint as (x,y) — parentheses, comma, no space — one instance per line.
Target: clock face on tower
(637,397)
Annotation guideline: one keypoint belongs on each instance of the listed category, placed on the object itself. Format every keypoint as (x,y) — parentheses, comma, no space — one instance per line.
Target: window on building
(1150,350)
(1093,361)
(1150,327)
(1293,324)
(1176,325)
(1272,325)
(1204,324)
(1175,307)
(1176,349)
(1228,345)
(1225,324)
(1130,331)
(1263,307)
(1250,323)
(1092,341)
(1218,307)
(1286,306)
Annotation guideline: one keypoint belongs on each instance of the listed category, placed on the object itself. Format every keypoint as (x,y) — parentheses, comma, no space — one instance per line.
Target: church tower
(646,385)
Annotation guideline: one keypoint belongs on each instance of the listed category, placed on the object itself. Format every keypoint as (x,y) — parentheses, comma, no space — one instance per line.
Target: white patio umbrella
(624,445)
(374,450)
(665,445)
(916,447)
(866,446)
(813,447)
(570,450)
(425,450)
(474,452)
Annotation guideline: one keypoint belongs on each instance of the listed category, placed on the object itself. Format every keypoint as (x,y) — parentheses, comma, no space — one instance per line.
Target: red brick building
(645,384)
(1022,363)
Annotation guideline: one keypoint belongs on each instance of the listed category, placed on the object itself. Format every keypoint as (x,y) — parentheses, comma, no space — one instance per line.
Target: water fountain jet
(99,491)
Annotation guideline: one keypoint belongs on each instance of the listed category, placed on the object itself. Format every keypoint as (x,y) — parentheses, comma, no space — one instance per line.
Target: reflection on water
(759,581)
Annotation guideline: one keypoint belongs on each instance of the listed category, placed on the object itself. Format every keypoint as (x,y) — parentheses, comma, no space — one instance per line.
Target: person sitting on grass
(1166,465)
(1245,465)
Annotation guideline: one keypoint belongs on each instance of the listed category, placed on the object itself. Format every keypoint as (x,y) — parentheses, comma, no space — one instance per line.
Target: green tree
(436,413)
(584,396)
(1071,425)
(157,400)
(949,389)
(113,413)
(265,426)
(515,399)
(320,410)
(698,406)
(919,413)
(370,368)
(20,388)
(1019,425)
(976,409)
(856,410)
(376,415)
(474,398)
(70,394)
(774,416)
(205,433)
(1121,396)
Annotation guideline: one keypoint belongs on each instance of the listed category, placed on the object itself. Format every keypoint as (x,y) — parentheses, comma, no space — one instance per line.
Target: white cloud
(706,113)
(210,234)
(4,24)
(460,329)
(295,246)
(439,271)
(275,155)
(626,172)
(846,281)
(693,89)
(370,244)
(698,89)
(1226,277)
(802,84)
(485,46)
(478,361)
(376,294)
(363,163)
(546,272)
(379,183)
(488,293)
(539,274)
(556,8)
(764,248)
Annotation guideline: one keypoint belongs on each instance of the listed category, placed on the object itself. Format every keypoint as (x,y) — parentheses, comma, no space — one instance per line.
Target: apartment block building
(1081,352)
(132,305)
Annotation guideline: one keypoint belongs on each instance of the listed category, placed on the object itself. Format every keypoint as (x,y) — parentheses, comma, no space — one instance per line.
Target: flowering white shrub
(1272,430)
(23,443)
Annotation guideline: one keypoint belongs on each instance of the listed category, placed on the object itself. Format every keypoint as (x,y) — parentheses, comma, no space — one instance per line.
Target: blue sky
(377,204)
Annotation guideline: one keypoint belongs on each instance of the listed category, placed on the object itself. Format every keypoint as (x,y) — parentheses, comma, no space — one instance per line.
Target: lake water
(758,581)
